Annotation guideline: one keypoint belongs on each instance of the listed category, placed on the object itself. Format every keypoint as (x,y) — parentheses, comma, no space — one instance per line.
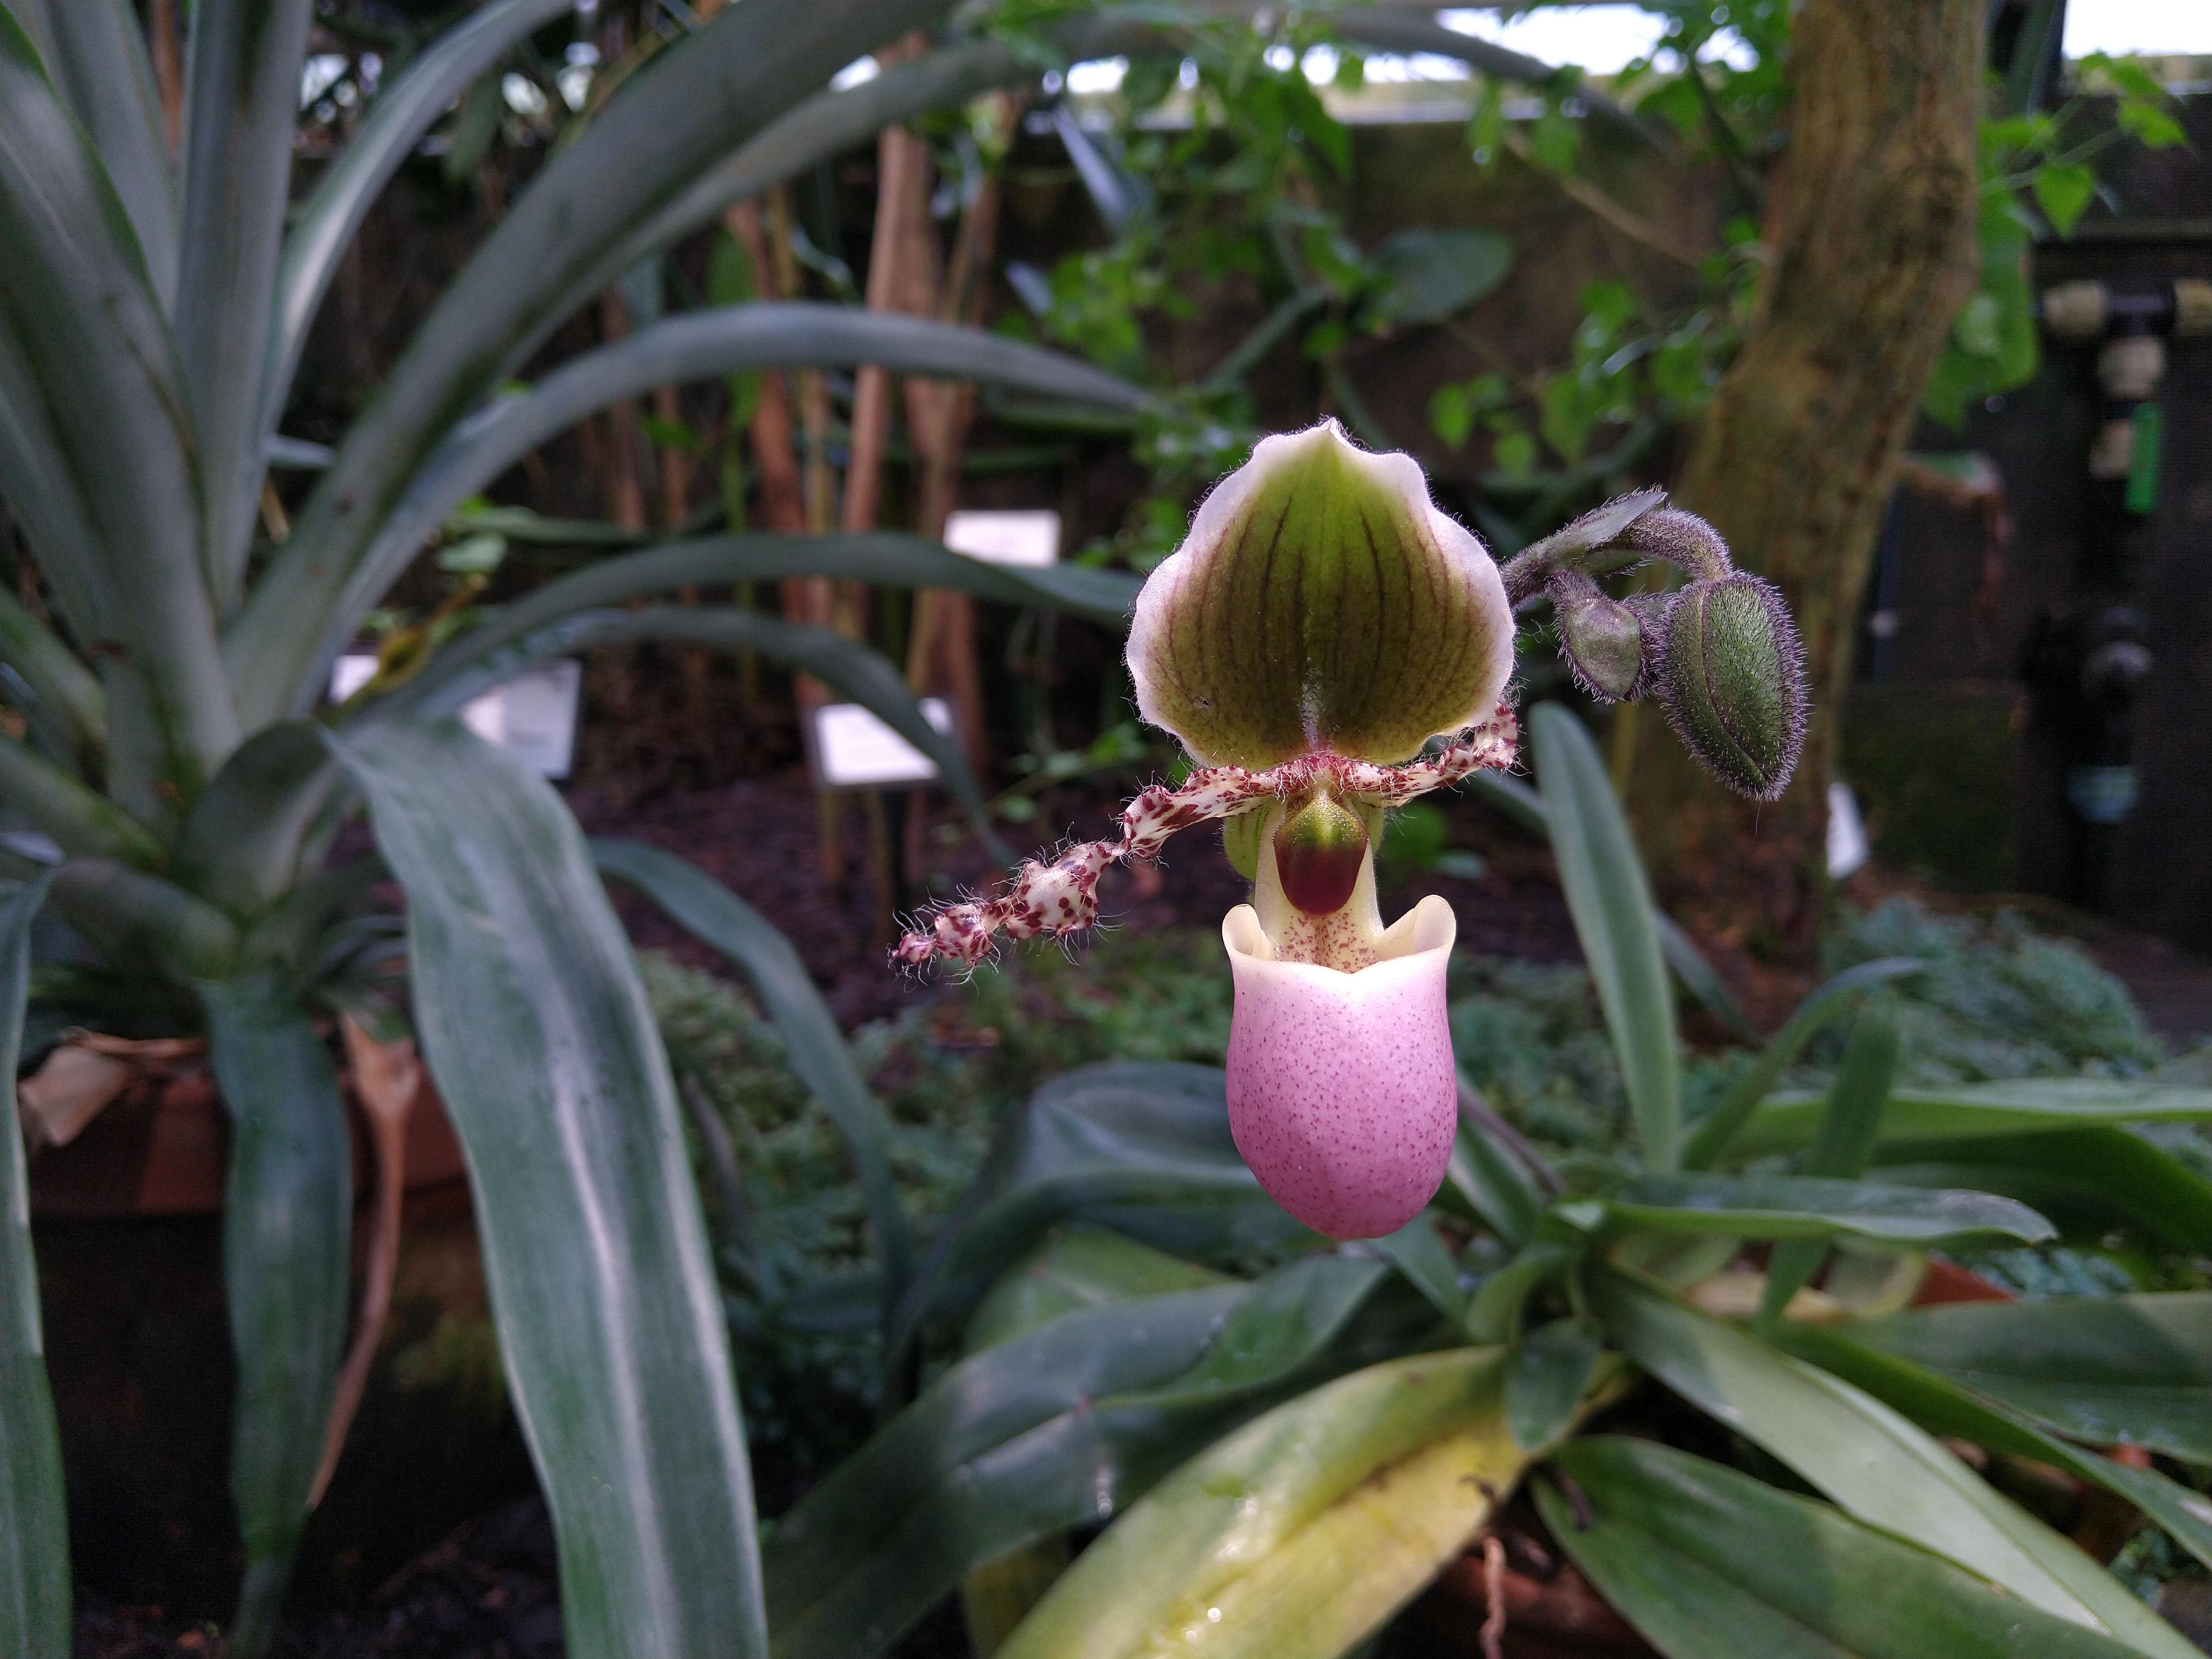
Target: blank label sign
(854,750)
(1026,539)
(532,716)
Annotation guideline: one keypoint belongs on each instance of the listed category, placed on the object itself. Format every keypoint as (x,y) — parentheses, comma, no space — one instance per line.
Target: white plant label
(855,750)
(532,716)
(1022,538)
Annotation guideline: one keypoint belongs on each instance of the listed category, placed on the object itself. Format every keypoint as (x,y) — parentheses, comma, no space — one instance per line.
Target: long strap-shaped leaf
(1296,1537)
(1826,1004)
(2012,1106)
(89,372)
(1610,903)
(96,51)
(711,912)
(697,345)
(536,1026)
(69,699)
(402,112)
(1841,1149)
(1870,1460)
(1054,1427)
(1709,1563)
(242,104)
(847,668)
(35,1575)
(883,558)
(1944,1404)
(2115,1174)
(703,97)
(831,122)
(2109,1370)
(287,1227)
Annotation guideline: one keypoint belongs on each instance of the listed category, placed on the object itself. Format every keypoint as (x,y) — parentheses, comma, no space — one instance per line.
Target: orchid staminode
(1326,645)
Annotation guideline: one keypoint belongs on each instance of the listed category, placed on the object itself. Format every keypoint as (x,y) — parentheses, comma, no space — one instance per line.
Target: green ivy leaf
(2152,126)
(1557,142)
(2064,194)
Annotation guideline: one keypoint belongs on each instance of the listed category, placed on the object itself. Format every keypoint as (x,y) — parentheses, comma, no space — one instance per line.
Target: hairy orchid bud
(1318,851)
(1569,547)
(1603,638)
(1682,540)
(1733,682)
(1321,604)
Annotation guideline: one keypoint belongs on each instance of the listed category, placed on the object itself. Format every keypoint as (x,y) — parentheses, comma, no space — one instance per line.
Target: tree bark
(1872,245)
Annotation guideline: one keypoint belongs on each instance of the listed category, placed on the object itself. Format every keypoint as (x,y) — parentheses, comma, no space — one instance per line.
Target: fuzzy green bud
(1602,638)
(1733,680)
(1319,850)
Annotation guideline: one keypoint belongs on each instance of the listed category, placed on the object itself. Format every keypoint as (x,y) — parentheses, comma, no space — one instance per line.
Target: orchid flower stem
(1477,1114)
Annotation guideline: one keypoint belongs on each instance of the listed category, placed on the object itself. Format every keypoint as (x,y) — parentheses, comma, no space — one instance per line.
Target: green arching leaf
(1841,1148)
(2119,1174)
(1525,808)
(1806,1206)
(834,121)
(1695,975)
(1417,1253)
(2064,193)
(79,818)
(241,109)
(1493,1314)
(1710,1564)
(1018,1442)
(1430,275)
(1320,602)
(1286,1320)
(1073,1268)
(68,693)
(1546,1374)
(1823,1007)
(1943,1404)
(129,916)
(1491,1185)
(287,1220)
(88,371)
(537,1029)
(704,95)
(34,1564)
(1784,1123)
(96,50)
(403,112)
(884,558)
(1300,1533)
(847,668)
(1610,903)
(1141,1147)
(695,345)
(712,913)
(1871,1461)
(2131,1370)
(245,841)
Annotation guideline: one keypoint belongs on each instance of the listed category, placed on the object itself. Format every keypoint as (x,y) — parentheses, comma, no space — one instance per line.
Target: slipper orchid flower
(1327,645)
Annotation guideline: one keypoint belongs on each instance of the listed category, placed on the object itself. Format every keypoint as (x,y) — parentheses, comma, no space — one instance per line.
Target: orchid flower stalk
(1327,645)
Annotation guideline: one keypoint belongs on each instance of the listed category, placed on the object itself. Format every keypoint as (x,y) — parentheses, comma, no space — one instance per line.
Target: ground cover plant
(1574,1272)
(1273,1424)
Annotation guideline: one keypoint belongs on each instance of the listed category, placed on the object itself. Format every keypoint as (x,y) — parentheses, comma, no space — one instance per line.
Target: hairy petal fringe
(1060,895)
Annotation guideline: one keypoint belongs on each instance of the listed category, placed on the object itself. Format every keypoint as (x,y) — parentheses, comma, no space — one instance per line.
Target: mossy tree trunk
(1871,237)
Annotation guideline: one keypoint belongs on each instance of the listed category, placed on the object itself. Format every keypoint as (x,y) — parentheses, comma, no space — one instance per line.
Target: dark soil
(488,1592)
(761,838)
